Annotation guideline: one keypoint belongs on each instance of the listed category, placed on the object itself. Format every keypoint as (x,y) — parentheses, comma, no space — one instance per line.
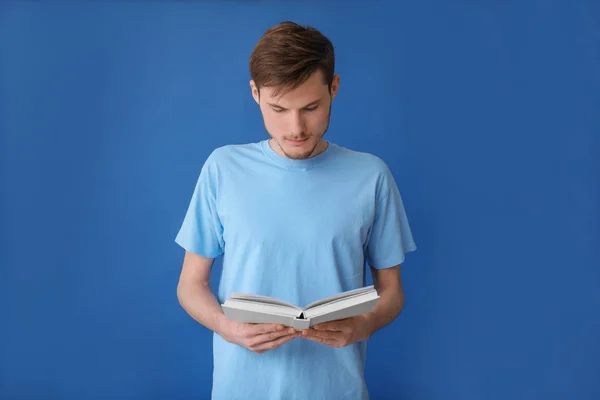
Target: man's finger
(320,334)
(329,326)
(271,336)
(259,329)
(342,325)
(261,348)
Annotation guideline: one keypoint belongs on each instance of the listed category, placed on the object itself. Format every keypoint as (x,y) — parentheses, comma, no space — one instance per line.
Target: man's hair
(288,54)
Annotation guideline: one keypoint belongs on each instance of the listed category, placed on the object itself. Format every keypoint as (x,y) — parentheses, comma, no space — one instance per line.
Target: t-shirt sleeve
(201,231)
(390,237)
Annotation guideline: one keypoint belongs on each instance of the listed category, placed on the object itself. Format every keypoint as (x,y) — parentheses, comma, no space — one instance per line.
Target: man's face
(296,120)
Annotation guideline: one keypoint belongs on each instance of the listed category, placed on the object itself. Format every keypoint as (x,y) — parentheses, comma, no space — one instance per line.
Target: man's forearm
(388,307)
(200,303)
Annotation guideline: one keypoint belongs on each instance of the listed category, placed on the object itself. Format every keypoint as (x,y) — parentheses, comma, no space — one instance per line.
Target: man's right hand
(258,338)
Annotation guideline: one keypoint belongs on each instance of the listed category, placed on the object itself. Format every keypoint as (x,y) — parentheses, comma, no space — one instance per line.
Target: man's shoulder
(363,159)
(235,148)
(224,154)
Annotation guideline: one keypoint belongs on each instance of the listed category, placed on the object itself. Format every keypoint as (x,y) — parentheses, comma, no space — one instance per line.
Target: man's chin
(299,156)
(301,153)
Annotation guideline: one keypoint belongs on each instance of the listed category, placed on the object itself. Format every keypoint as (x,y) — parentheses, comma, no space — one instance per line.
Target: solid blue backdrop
(486,112)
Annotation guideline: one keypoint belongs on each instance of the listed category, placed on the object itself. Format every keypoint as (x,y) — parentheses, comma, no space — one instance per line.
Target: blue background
(486,112)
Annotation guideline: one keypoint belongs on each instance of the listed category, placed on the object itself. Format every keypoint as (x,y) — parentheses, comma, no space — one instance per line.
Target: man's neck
(320,147)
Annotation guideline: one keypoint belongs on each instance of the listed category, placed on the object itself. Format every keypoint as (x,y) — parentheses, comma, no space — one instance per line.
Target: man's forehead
(298,97)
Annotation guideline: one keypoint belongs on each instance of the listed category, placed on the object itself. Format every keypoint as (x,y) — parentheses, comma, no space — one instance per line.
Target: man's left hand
(340,333)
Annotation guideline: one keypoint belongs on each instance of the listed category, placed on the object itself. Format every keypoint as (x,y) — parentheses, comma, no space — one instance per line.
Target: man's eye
(313,108)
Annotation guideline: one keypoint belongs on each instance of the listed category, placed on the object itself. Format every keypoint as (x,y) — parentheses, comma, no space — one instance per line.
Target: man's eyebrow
(283,108)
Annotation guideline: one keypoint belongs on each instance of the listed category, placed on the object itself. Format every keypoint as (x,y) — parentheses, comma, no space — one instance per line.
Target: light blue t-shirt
(297,230)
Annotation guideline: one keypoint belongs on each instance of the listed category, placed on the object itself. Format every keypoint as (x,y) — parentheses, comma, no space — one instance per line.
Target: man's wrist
(369,325)
(220,324)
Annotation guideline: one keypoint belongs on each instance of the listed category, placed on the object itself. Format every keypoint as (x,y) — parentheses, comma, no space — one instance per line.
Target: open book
(261,309)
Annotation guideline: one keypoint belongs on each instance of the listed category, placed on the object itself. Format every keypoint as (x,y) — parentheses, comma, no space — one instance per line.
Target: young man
(295,217)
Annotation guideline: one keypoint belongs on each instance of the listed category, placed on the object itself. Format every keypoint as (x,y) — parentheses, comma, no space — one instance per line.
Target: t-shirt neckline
(293,164)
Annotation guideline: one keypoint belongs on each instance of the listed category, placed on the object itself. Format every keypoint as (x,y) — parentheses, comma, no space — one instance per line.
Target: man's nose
(297,123)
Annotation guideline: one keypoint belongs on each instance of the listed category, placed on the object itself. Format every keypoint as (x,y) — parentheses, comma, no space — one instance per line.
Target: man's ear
(335,85)
(255,92)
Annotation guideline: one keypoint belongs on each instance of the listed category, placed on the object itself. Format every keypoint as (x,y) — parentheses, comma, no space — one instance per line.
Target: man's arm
(194,293)
(344,332)
(197,299)
(391,298)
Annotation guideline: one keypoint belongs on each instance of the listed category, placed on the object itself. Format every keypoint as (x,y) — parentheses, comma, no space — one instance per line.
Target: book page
(348,312)
(257,317)
(343,304)
(274,309)
(339,296)
(262,300)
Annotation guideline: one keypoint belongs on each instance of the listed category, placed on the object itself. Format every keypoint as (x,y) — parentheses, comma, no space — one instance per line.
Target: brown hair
(288,53)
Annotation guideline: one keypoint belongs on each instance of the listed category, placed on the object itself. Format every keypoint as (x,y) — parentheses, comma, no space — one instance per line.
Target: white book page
(262,300)
(274,309)
(340,304)
(350,293)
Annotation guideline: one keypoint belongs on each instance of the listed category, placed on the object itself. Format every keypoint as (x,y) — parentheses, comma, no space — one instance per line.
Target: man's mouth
(297,141)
